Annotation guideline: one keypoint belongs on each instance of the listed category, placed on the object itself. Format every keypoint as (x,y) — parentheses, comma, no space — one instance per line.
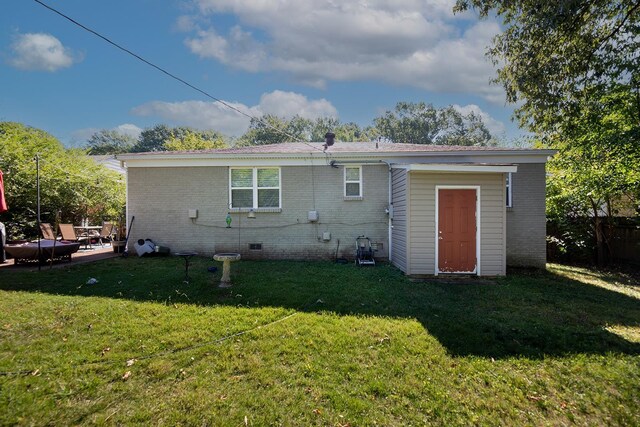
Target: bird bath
(226,258)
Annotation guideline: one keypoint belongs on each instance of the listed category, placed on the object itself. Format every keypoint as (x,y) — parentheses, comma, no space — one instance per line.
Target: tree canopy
(573,67)
(554,55)
(108,141)
(416,123)
(189,141)
(271,129)
(71,183)
(421,123)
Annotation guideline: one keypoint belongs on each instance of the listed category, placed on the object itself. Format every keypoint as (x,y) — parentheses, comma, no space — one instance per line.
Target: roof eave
(340,154)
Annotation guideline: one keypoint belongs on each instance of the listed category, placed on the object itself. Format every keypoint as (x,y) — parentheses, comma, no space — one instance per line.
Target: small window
(254,188)
(353,181)
(509,195)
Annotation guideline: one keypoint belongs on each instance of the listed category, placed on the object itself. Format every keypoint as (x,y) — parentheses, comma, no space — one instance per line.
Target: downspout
(333,163)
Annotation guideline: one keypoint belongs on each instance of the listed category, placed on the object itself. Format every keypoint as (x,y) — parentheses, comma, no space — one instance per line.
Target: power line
(173,76)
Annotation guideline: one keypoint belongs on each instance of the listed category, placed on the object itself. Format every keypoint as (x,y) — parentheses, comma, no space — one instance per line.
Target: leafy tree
(70,182)
(271,129)
(346,132)
(108,141)
(155,138)
(192,141)
(549,52)
(574,69)
(420,123)
(597,170)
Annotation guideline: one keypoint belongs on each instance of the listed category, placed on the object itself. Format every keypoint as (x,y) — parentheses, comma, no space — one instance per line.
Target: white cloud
(496,127)
(41,52)
(213,115)
(129,129)
(405,42)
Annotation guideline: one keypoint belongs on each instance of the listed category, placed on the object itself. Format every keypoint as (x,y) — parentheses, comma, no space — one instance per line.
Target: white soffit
(456,167)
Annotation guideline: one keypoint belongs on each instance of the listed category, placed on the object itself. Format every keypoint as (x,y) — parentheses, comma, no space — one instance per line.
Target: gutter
(333,163)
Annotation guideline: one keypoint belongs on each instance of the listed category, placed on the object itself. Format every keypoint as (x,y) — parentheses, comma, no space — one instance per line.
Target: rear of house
(429,209)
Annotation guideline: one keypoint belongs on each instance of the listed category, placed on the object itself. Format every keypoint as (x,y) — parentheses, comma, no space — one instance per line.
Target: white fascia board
(456,167)
(224,162)
(319,158)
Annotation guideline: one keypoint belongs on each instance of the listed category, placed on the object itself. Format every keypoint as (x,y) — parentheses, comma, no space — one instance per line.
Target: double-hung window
(254,188)
(352,181)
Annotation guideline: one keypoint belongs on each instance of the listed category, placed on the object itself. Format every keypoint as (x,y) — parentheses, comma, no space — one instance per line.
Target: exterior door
(457,231)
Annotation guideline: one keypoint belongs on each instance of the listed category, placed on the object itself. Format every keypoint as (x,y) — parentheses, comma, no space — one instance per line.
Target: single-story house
(428,209)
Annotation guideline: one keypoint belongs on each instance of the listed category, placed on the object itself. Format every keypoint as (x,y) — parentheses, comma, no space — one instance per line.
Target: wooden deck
(80,257)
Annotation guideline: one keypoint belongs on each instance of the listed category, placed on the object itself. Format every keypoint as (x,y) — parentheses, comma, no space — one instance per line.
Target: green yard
(297,343)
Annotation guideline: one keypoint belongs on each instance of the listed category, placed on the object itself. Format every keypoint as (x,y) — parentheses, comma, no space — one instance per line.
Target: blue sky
(350,59)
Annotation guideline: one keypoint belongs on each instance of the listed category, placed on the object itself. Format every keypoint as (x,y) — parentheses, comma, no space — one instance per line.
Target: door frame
(478,222)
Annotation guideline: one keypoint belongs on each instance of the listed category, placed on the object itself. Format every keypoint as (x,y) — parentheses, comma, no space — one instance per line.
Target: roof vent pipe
(329,139)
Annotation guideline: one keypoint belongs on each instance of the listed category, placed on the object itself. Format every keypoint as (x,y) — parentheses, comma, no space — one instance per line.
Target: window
(353,181)
(509,196)
(254,188)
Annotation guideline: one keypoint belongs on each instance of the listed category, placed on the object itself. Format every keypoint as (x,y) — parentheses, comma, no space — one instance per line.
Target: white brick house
(429,209)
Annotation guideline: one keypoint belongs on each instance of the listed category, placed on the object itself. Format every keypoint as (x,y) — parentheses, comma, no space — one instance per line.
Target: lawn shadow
(530,315)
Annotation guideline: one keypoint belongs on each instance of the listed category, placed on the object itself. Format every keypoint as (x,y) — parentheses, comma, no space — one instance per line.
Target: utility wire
(173,76)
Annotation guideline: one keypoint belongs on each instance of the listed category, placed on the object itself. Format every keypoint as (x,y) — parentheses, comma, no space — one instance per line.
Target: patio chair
(47,231)
(106,233)
(69,233)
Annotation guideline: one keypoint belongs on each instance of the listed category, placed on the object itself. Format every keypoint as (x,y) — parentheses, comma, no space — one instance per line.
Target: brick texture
(526,220)
(161,197)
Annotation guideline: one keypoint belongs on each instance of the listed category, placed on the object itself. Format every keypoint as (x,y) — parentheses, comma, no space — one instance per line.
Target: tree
(555,54)
(70,182)
(192,141)
(420,123)
(574,69)
(155,138)
(598,167)
(108,141)
(346,132)
(271,129)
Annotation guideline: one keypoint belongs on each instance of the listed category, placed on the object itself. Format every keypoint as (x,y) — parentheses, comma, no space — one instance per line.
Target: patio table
(86,229)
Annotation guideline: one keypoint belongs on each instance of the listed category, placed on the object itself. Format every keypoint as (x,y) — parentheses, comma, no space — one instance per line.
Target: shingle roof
(338,147)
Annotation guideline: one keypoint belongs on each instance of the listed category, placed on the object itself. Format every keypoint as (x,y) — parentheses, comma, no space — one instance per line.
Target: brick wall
(161,197)
(526,220)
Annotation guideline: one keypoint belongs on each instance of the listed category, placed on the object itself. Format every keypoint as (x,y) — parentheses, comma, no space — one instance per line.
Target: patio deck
(80,257)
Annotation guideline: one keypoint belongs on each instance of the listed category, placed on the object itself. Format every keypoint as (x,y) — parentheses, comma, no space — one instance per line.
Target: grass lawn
(295,343)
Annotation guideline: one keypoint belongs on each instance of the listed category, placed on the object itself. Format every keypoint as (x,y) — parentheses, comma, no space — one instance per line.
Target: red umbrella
(3,202)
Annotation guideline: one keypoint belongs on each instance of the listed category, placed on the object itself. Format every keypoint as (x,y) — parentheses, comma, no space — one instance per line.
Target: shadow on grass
(525,314)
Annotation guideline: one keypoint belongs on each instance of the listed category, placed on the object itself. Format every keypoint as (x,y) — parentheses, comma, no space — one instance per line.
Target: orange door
(457,231)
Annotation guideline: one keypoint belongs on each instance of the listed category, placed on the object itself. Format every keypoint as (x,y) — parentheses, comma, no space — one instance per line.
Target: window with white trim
(353,181)
(254,188)
(509,195)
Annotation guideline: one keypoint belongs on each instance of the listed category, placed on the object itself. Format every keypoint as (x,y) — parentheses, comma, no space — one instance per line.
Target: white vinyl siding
(254,188)
(422,226)
(399,230)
